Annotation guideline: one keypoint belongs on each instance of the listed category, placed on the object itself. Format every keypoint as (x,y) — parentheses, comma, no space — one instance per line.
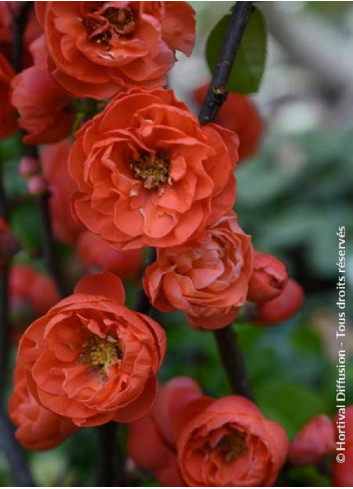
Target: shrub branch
(231,354)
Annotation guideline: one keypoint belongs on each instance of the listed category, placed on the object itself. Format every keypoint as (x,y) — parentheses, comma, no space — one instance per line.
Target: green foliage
(291,405)
(250,60)
(294,195)
(308,477)
(25,224)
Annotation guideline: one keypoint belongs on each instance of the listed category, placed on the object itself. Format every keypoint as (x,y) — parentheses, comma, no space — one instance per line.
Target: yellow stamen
(99,354)
(153,170)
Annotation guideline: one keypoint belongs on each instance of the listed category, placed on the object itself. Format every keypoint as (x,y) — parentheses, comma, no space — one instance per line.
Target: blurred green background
(291,198)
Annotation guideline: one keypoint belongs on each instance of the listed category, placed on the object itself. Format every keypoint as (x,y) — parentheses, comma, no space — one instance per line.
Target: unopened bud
(282,308)
(37,185)
(314,441)
(268,278)
(29,166)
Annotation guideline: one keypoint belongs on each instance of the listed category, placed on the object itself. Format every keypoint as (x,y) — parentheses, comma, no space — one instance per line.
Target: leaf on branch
(250,60)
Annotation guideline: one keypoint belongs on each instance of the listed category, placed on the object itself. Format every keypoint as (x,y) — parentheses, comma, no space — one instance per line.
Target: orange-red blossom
(91,359)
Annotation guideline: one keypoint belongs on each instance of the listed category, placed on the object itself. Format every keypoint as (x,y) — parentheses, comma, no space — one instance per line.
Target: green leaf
(291,405)
(250,60)
(25,224)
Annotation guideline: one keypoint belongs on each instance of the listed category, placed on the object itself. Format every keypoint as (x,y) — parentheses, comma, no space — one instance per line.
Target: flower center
(152,169)
(104,22)
(121,20)
(232,445)
(99,354)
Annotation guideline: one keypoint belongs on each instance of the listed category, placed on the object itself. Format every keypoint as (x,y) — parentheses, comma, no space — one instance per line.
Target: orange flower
(286,305)
(316,439)
(268,278)
(151,441)
(228,442)
(342,472)
(193,440)
(90,358)
(97,49)
(148,174)
(8,124)
(239,115)
(54,160)
(207,281)
(37,427)
(45,111)
(98,255)
(31,294)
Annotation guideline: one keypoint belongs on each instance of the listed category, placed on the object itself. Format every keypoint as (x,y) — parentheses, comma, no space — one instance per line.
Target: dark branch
(143,304)
(110,461)
(14,454)
(230,352)
(5,330)
(49,245)
(233,362)
(4,205)
(217,91)
(19,22)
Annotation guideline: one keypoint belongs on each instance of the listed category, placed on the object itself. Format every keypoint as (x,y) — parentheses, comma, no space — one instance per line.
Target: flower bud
(37,185)
(316,439)
(29,166)
(268,278)
(283,307)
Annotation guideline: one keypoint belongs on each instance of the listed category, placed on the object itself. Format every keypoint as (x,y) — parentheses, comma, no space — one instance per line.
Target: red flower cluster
(194,440)
(141,171)
(99,48)
(148,174)
(207,280)
(90,359)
